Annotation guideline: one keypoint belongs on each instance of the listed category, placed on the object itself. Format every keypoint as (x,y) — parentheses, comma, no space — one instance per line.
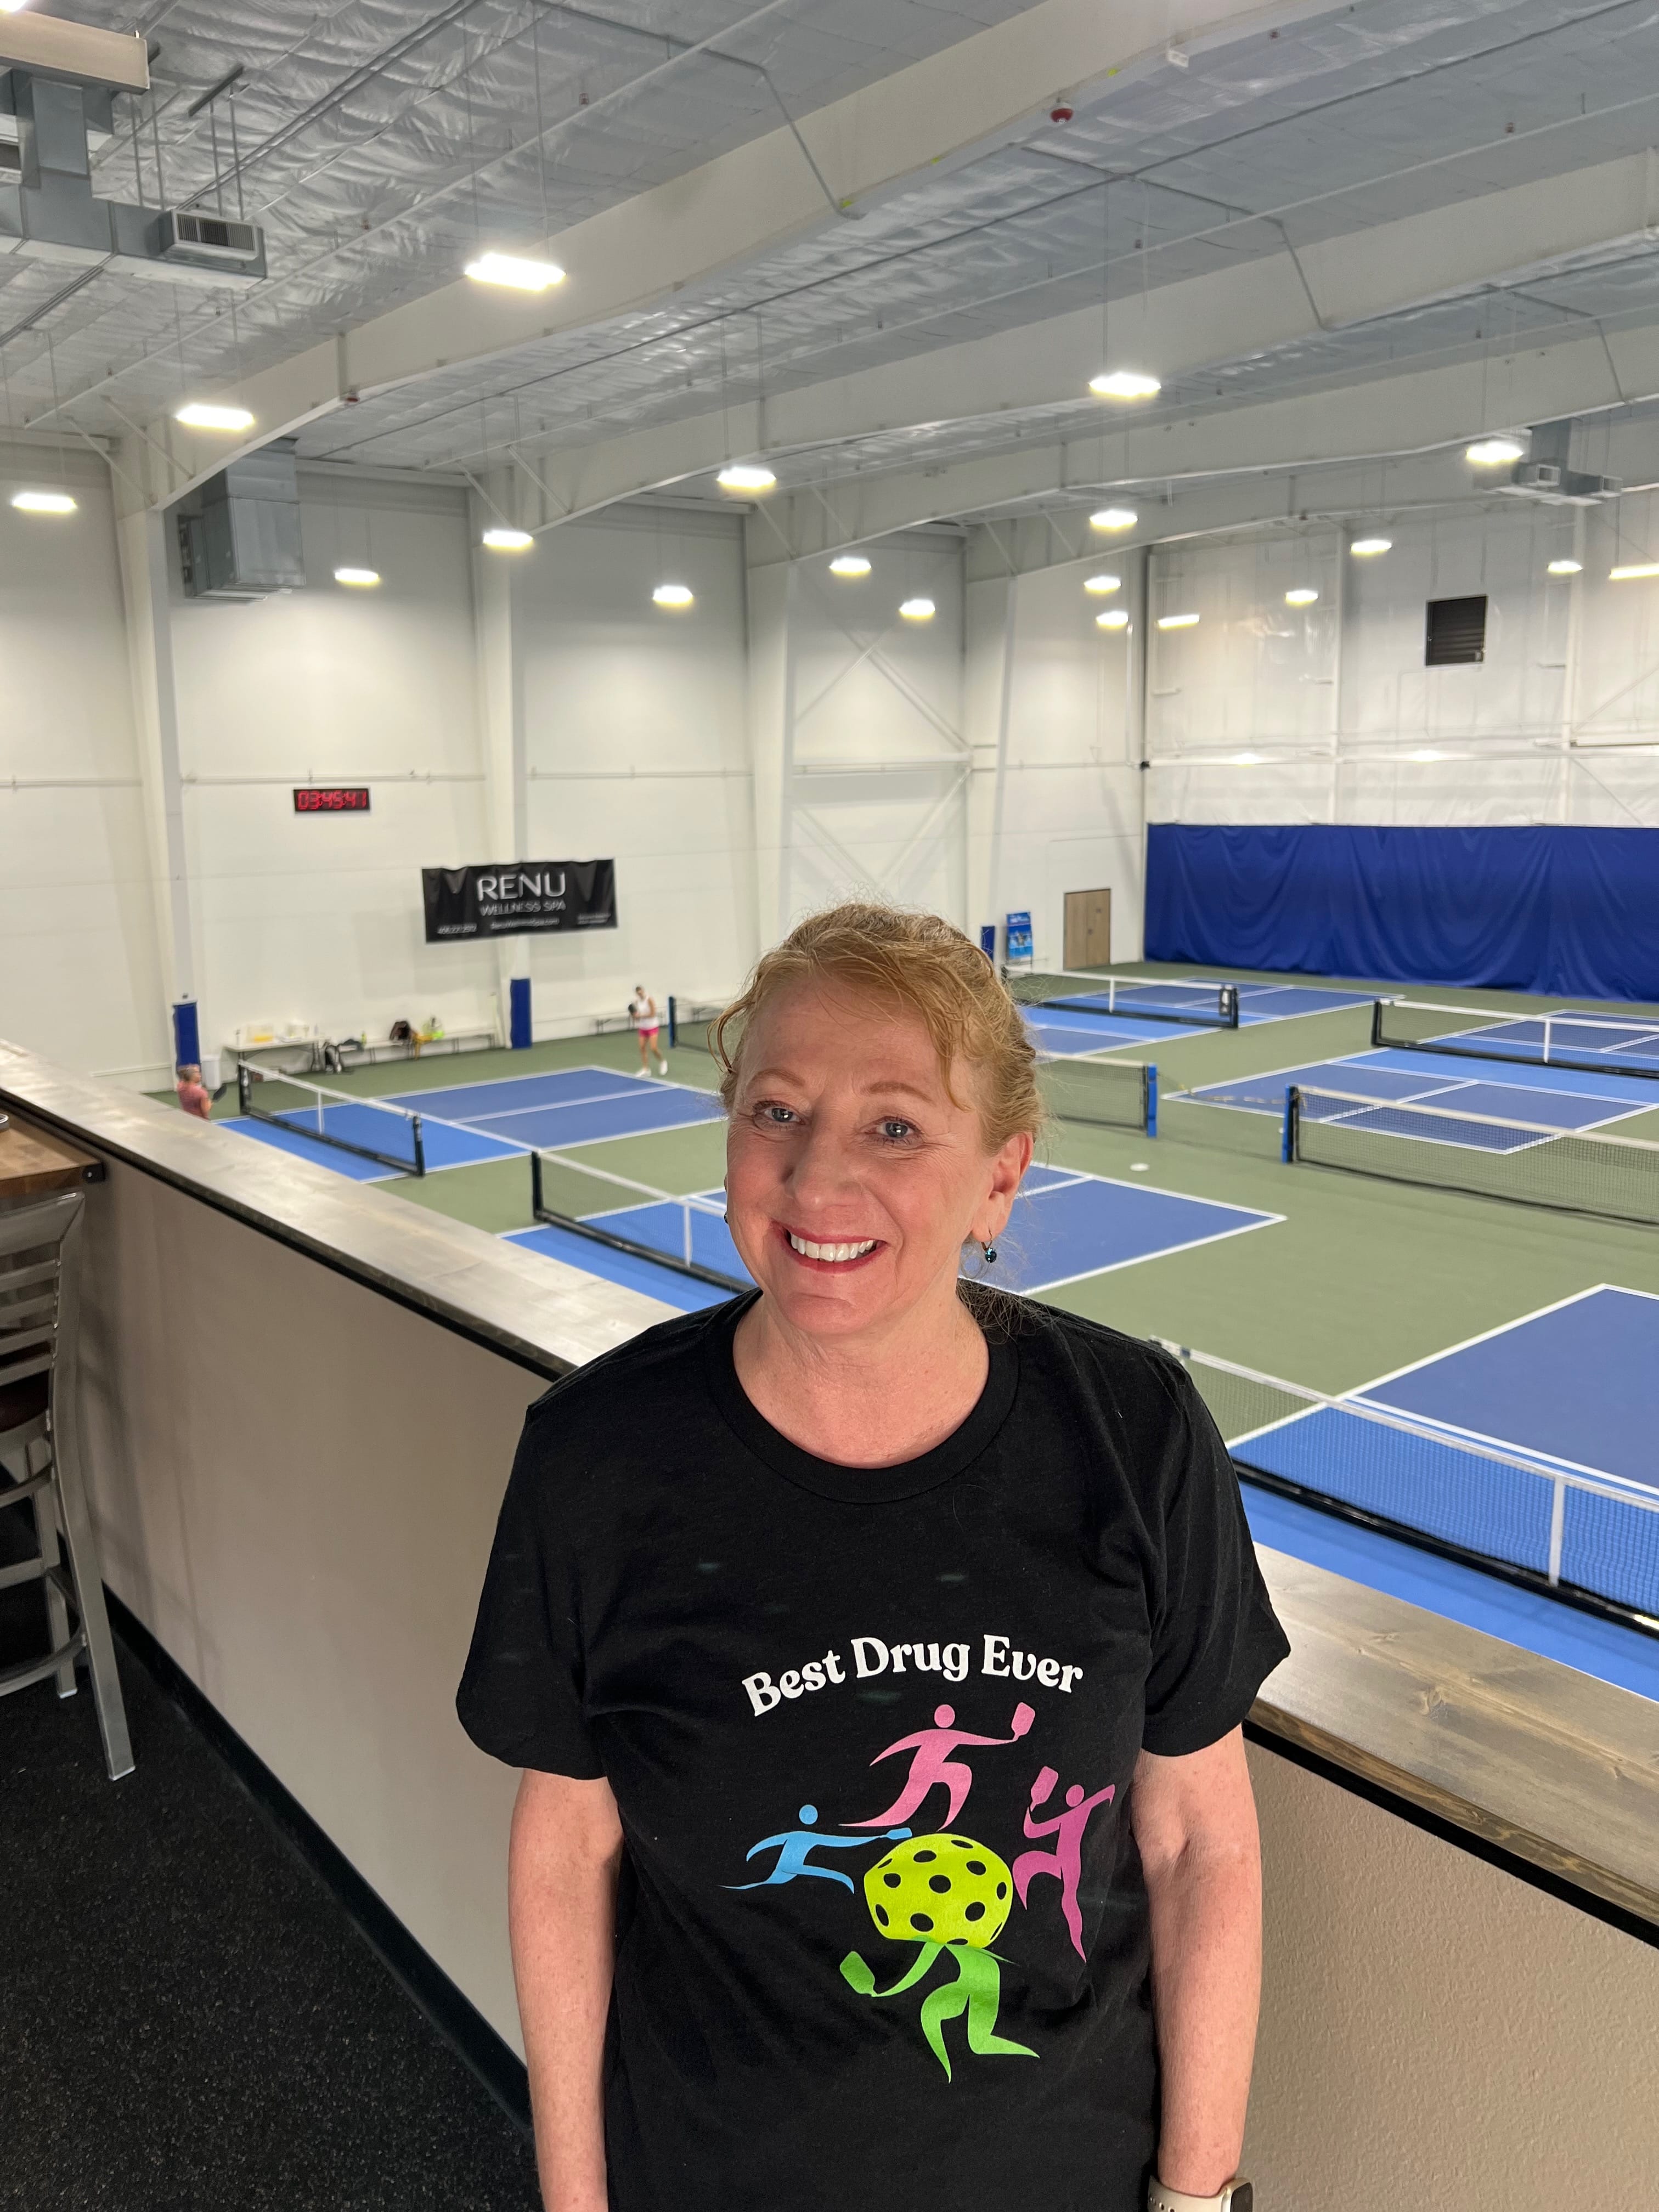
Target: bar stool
(40,1460)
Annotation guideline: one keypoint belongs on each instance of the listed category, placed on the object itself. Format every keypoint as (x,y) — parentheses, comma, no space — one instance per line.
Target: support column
(141,536)
(771,588)
(990,620)
(501,731)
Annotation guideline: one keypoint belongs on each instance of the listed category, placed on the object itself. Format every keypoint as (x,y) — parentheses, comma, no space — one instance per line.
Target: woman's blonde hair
(920,964)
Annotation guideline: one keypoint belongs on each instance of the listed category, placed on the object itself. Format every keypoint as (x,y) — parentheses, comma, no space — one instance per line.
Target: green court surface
(1342,1280)
(1357,1278)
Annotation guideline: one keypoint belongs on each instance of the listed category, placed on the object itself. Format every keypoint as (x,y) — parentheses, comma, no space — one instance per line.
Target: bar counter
(301,1398)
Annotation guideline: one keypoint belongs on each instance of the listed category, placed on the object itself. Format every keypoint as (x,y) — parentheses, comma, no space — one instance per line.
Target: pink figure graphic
(1065,1862)
(933,1764)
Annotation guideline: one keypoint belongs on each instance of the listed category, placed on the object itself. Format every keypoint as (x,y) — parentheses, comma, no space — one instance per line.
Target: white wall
(1068,817)
(637,741)
(857,729)
(318,918)
(1558,724)
(79,975)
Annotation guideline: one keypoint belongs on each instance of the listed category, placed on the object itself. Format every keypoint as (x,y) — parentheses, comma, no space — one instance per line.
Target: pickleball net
(691,1020)
(1590,1539)
(1147,998)
(1591,1171)
(369,1128)
(1593,1043)
(685,1233)
(1112,1094)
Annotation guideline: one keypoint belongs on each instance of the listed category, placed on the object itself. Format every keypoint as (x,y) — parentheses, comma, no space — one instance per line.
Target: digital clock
(333,798)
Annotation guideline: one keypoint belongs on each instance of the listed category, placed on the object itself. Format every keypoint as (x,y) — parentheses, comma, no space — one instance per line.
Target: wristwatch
(1236,2196)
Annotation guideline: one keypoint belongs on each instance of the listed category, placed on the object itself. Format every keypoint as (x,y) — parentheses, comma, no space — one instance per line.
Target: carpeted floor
(188,2021)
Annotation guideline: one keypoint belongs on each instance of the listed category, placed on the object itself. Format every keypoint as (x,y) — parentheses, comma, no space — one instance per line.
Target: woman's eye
(895,1131)
(772,1116)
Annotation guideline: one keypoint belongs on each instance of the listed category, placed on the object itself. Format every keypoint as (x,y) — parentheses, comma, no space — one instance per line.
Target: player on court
(648,1020)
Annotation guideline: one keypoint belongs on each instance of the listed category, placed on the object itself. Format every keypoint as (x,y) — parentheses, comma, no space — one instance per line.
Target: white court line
(1163,1251)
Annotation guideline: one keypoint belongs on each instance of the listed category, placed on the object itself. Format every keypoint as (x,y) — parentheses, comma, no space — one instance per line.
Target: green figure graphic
(949,1894)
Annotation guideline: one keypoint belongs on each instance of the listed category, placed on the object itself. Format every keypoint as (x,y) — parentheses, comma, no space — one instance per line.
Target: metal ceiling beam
(953,107)
(1181,330)
(1275,459)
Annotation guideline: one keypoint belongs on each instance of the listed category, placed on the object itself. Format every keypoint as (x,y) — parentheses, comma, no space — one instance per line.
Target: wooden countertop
(33,1163)
(1538,1761)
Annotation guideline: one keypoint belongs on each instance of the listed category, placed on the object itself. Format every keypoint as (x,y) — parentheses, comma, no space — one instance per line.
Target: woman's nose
(824,1169)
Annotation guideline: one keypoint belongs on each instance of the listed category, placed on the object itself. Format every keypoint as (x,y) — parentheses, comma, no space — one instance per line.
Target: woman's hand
(1195,1822)
(562,1890)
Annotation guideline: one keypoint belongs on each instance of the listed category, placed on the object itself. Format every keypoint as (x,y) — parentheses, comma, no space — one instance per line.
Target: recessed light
(1114,518)
(673,595)
(1424,753)
(1494,452)
(513,271)
(1302,596)
(1124,383)
(1246,760)
(1176,622)
(43,502)
(1101,585)
(1632,571)
(1366,548)
(1565,568)
(360,580)
(501,539)
(1114,618)
(918,609)
(745,476)
(203,414)
(850,564)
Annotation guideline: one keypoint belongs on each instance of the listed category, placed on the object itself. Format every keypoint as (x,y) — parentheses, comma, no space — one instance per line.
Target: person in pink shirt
(193,1094)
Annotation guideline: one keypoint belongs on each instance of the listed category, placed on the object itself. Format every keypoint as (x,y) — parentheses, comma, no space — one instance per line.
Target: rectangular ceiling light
(1634,569)
(515,271)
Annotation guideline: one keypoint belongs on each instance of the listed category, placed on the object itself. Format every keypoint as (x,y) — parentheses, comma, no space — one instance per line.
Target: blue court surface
(1554,1097)
(1056,1029)
(1288,1002)
(1632,1043)
(1065,1225)
(465,1123)
(1564,1392)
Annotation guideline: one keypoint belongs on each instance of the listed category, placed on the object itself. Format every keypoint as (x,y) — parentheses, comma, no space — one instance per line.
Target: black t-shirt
(882,1936)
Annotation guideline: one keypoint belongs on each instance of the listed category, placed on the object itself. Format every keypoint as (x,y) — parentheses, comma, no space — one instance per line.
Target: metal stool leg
(45,1533)
(77,1525)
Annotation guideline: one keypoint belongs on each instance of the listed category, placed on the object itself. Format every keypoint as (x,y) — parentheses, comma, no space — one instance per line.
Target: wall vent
(1456,632)
(185,232)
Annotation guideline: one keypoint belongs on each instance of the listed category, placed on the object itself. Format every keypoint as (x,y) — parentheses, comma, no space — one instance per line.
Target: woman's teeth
(811,1251)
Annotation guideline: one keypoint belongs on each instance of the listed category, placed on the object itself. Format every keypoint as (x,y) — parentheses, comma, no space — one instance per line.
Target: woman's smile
(817,1252)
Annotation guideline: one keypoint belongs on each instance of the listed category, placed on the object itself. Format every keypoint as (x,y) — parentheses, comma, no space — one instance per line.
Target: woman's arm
(562,1892)
(1195,1822)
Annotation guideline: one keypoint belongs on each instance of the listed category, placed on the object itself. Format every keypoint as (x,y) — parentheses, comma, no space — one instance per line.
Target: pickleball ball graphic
(940,1889)
(949,1896)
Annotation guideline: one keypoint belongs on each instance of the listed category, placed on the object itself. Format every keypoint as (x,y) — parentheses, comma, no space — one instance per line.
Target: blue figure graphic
(793,1845)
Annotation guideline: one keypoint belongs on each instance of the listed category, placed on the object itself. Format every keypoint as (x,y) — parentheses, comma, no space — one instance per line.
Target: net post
(689,1255)
(1151,1099)
(1546,1040)
(244,1087)
(673,1020)
(1293,1116)
(1558,1529)
(1229,1007)
(1376,1023)
(420,1146)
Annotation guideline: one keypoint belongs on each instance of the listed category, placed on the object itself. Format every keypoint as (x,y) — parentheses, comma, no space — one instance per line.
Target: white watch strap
(1160,2197)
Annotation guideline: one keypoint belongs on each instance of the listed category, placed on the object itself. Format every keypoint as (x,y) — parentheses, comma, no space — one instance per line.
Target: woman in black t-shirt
(885,1842)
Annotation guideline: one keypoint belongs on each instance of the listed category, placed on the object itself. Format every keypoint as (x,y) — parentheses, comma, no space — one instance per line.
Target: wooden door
(1088,928)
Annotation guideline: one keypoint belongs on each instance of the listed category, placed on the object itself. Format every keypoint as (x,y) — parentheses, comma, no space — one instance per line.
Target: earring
(990,1252)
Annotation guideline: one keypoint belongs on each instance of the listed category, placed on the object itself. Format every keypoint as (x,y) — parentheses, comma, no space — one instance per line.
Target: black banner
(517,896)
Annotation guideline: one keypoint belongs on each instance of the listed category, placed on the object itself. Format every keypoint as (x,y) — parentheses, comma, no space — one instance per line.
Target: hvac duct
(240,537)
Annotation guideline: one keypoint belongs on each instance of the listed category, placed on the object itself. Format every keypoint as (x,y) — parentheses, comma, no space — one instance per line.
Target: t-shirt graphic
(882,1935)
(947,1895)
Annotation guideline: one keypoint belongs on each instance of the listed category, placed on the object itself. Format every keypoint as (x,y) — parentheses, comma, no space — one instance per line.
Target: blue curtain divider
(1562,912)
